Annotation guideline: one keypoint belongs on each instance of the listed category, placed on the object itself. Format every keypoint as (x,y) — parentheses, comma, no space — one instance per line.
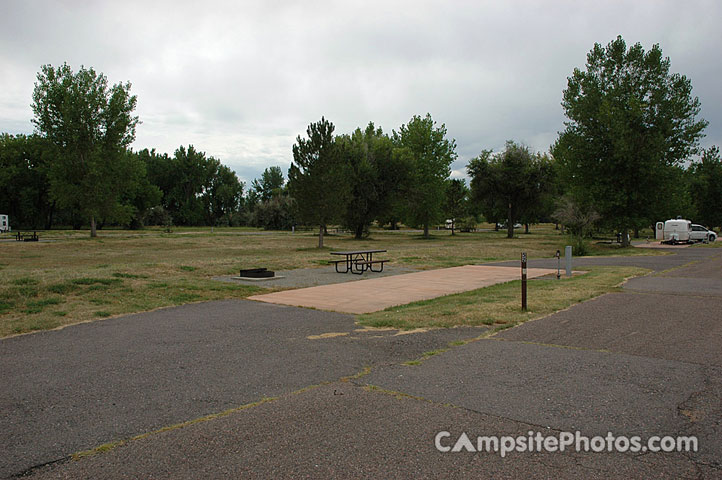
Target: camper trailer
(4,223)
(674,231)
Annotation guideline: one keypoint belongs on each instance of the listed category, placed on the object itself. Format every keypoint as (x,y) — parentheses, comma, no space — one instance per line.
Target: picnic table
(359,261)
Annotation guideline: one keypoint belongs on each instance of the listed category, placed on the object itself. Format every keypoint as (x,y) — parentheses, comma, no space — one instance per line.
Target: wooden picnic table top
(357,252)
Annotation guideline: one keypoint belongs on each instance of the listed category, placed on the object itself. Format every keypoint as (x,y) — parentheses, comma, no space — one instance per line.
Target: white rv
(4,223)
(674,231)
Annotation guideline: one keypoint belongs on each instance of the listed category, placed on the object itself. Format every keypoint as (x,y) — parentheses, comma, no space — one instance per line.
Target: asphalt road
(645,361)
(73,389)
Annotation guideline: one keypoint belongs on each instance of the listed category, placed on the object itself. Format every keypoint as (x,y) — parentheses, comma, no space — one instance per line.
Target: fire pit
(256,273)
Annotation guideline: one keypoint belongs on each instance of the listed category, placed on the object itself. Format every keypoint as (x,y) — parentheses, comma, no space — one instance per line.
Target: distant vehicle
(4,223)
(674,231)
(516,225)
(701,234)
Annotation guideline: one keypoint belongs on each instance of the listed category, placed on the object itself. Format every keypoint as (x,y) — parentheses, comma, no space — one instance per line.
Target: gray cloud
(240,80)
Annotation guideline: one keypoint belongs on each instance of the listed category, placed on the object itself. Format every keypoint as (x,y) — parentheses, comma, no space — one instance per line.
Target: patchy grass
(500,305)
(133,271)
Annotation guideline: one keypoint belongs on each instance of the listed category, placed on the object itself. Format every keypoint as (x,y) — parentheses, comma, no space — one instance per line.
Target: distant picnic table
(359,261)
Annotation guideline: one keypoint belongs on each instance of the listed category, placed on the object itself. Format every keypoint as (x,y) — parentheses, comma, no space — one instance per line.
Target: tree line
(623,161)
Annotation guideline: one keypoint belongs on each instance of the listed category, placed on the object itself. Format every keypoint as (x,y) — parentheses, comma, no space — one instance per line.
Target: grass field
(69,278)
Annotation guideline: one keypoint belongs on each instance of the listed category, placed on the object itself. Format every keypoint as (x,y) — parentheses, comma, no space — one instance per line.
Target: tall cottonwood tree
(317,177)
(91,124)
(430,155)
(630,121)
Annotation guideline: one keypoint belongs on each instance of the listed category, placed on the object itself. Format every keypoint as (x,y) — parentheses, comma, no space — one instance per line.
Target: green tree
(138,195)
(25,185)
(430,155)
(221,193)
(317,177)
(456,201)
(630,121)
(91,124)
(276,213)
(270,184)
(514,181)
(706,187)
(374,175)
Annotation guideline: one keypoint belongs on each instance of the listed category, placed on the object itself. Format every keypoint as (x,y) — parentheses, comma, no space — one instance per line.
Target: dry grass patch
(68,278)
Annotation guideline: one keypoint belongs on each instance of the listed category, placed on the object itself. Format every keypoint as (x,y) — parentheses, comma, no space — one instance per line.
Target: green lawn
(69,278)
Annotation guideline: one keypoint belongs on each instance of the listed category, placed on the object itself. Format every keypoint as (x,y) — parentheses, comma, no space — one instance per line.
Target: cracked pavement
(645,361)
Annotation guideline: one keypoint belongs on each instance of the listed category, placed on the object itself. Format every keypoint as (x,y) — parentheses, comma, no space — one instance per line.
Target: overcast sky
(240,80)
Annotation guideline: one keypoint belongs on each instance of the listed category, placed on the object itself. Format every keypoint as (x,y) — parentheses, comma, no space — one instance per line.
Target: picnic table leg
(377,271)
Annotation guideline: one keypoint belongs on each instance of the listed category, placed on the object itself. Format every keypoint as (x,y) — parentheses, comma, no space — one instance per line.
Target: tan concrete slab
(376,294)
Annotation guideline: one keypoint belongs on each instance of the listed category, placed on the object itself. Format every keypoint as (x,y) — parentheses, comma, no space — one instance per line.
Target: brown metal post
(523,281)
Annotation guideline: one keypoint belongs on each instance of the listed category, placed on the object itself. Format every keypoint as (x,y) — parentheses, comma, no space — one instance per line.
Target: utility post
(523,282)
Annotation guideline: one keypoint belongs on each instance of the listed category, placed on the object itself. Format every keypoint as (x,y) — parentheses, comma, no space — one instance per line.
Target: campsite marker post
(523,281)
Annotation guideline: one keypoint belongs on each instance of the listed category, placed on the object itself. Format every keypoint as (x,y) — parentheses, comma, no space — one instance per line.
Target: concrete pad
(376,294)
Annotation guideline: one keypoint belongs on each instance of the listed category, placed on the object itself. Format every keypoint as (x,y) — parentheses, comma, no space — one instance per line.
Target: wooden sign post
(523,281)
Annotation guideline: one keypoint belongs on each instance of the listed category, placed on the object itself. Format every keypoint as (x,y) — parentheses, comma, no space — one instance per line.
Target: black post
(523,281)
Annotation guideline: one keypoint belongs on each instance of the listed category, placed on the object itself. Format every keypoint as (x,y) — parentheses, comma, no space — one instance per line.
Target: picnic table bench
(358,261)
(26,237)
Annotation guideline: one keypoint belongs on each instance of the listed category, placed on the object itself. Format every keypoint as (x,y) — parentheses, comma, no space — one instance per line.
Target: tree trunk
(496,226)
(359,232)
(556,226)
(321,228)
(93,232)
(636,232)
(49,220)
(426,230)
(526,228)
(625,238)
(452,227)
(509,224)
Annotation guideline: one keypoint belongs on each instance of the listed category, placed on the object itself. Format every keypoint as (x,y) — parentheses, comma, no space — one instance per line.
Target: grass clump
(96,281)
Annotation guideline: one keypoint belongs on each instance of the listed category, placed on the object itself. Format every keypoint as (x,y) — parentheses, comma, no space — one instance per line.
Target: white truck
(674,231)
(4,223)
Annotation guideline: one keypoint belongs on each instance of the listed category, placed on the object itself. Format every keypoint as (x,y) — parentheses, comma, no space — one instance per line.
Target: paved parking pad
(77,388)
(345,431)
(673,327)
(376,294)
(559,388)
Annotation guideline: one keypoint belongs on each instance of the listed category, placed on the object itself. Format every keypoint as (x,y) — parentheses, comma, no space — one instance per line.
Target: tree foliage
(706,187)
(374,175)
(197,190)
(456,201)
(514,181)
(630,121)
(317,177)
(90,125)
(269,185)
(24,180)
(430,154)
